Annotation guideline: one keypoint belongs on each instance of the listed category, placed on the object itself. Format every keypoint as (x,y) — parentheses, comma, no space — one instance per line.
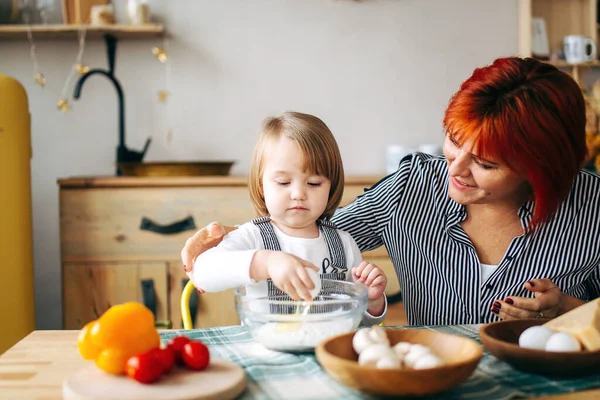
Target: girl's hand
(547,303)
(288,273)
(372,277)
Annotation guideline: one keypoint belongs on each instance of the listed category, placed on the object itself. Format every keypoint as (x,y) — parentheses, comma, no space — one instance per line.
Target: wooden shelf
(68,32)
(565,64)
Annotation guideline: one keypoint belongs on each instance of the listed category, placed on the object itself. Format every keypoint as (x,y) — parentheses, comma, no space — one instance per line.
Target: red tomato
(144,368)
(166,357)
(176,344)
(196,355)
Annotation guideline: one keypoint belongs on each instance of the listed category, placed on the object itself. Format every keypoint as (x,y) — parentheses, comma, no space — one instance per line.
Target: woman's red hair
(528,115)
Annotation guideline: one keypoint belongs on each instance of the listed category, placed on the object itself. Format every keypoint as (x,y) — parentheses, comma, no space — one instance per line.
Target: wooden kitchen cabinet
(120,235)
(90,288)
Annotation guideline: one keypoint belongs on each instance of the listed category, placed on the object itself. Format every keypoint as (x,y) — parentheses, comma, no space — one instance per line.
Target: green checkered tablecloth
(275,375)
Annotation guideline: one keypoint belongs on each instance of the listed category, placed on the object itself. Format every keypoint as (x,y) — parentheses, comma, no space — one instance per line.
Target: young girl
(296,182)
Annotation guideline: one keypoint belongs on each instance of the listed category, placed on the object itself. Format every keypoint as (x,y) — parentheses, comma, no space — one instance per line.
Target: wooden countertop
(35,367)
(176,181)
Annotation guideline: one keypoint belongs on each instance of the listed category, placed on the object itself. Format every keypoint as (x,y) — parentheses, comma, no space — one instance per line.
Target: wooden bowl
(460,355)
(502,338)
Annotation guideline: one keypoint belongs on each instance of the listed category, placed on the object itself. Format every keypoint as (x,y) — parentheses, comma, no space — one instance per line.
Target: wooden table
(35,368)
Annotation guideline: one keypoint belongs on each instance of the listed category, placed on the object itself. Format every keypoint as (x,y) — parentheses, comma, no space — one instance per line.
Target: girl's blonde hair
(319,149)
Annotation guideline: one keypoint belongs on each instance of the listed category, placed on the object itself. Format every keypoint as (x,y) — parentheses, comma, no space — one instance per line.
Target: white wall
(378,72)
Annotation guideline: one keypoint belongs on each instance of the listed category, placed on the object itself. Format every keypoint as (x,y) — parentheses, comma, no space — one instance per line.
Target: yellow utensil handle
(185,305)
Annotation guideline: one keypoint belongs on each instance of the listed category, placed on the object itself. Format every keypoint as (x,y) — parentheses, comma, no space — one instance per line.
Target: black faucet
(123,153)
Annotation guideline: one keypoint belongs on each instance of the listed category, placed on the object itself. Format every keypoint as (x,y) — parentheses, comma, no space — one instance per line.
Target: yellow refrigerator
(17,315)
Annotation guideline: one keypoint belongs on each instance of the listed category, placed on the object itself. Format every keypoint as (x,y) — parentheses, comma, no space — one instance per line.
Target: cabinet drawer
(104,224)
(89,289)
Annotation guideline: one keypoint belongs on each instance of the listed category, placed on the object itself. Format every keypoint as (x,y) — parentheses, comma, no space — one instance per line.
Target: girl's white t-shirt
(228,265)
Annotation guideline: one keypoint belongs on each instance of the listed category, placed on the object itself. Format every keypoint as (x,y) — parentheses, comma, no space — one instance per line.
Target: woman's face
(473,180)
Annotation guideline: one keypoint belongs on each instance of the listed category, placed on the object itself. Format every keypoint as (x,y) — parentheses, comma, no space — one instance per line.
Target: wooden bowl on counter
(175,168)
(502,340)
(459,354)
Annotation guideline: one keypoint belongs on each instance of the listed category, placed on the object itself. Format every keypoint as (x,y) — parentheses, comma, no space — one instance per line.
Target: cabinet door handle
(149,295)
(149,300)
(193,302)
(185,224)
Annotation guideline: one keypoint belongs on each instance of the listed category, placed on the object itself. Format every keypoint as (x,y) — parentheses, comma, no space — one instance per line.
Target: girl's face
(473,180)
(295,199)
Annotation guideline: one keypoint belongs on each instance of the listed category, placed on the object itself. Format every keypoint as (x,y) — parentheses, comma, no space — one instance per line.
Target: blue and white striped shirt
(411,214)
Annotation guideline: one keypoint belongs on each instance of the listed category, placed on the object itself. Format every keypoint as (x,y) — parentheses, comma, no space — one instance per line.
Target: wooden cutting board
(221,380)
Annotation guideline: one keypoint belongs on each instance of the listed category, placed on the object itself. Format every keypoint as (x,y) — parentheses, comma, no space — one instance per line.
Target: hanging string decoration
(78,68)
(162,55)
(38,77)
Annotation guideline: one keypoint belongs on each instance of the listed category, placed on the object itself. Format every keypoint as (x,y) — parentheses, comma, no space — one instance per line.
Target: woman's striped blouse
(411,214)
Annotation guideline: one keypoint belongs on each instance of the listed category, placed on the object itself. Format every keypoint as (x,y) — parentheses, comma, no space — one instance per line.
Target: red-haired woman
(505,224)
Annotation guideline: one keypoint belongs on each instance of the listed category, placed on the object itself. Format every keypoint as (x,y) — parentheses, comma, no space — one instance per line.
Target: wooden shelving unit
(564,64)
(562,17)
(68,32)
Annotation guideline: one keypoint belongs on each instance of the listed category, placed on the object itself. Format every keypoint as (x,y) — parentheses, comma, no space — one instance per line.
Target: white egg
(361,340)
(389,362)
(416,352)
(535,337)
(372,354)
(427,360)
(316,279)
(402,348)
(563,341)
(377,334)
(420,348)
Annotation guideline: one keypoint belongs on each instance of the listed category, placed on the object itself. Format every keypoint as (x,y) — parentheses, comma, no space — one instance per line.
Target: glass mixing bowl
(282,324)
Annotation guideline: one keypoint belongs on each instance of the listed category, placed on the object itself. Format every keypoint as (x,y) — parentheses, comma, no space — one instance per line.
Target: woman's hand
(288,273)
(548,302)
(375,280)
(204,239)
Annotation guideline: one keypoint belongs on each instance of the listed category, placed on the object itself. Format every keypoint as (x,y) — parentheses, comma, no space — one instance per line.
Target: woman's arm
(366,218)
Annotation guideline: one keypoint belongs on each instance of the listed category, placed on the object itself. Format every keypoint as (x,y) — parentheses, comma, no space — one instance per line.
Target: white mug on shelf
(579,49)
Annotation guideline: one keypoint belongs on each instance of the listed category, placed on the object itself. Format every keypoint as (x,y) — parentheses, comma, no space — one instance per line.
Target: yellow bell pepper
(123,331)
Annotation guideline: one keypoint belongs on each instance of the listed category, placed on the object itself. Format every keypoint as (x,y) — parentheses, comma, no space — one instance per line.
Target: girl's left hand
(372,277)
(547,302)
